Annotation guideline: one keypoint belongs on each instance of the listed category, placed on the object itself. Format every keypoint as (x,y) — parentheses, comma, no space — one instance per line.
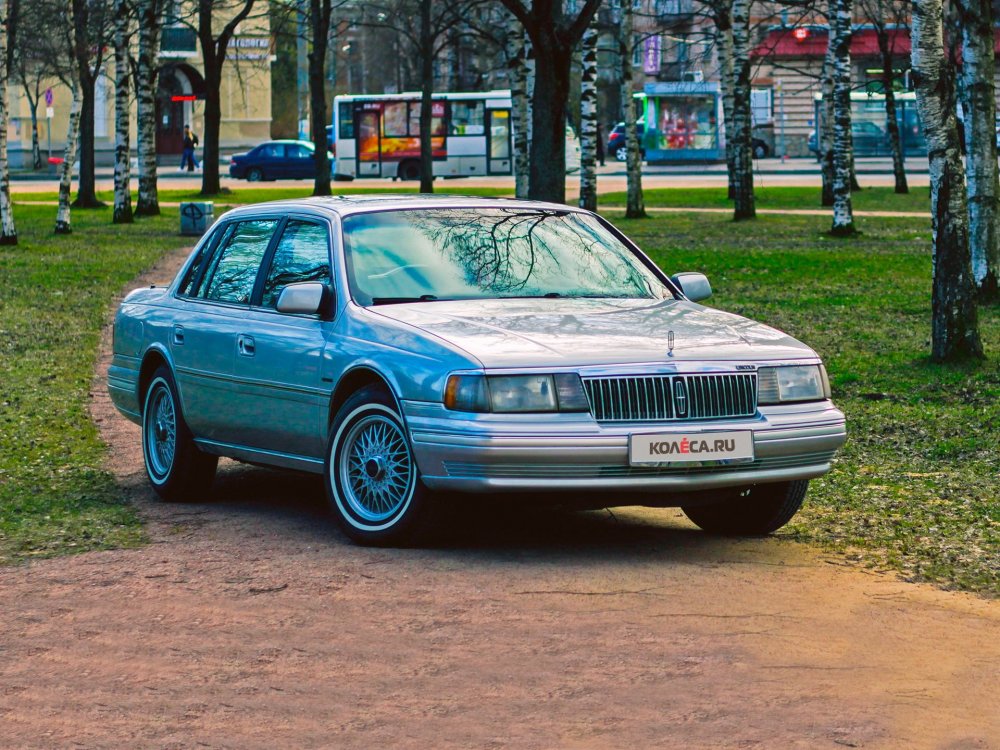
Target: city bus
(378,135)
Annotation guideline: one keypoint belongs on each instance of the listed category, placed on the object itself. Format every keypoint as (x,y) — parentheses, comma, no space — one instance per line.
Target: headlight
(516,393)
(777,385)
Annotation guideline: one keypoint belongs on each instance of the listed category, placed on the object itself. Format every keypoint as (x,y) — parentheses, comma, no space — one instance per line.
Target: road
(611,178)
(249,621)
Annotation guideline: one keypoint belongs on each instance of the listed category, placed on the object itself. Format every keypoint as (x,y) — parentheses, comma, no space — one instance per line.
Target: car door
(203,340)
(282,402)
(301,164)
(272,156)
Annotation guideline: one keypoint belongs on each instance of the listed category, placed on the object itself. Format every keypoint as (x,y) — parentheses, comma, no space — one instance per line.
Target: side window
(467,118)
(303,254)
(346,118)
(272,151)
(187,287)
(236,263)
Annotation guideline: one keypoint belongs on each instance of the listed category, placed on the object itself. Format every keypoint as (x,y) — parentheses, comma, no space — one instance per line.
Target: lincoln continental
(410,349)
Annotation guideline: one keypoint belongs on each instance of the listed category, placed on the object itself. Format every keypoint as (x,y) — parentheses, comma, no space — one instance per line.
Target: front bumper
(573,453)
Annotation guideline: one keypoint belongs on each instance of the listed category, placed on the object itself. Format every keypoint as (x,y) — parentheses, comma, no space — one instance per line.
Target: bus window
(346,120)
(467,118)
(394,120)
(437,119)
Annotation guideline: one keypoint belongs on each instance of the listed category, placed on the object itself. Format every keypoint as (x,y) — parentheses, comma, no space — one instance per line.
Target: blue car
(276,160)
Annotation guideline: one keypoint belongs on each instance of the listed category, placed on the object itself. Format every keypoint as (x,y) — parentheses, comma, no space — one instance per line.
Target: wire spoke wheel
(161,431)
(376,469)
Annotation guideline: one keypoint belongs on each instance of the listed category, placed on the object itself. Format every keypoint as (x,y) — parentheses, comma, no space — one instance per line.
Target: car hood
(579,332)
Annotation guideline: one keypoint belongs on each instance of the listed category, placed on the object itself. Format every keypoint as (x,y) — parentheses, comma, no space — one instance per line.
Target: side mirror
(694,286)
(306,298)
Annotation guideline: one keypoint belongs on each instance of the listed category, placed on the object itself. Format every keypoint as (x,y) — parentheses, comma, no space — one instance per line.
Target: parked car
(276,160)
(616,140)
(868,140)
(402,346)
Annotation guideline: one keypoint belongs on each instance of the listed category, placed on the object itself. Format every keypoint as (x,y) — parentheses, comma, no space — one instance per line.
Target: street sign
(50,112)
(48,97)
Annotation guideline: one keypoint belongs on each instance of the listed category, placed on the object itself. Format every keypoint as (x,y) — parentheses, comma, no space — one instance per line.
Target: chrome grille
(660,398)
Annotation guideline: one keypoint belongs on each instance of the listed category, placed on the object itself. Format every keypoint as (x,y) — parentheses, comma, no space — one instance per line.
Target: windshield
(477,253)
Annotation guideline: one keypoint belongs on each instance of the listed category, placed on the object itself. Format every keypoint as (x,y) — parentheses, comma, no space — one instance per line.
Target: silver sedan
(405,347)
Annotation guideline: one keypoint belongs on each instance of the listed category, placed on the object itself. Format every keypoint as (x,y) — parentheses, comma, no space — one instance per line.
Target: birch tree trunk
(66,168)
(635,207)
(150,23)
(979,107)
(518,76)
(824,128)
(891,124)
(529,107)
(954,321)
(742,152)
(588,119)
(843,213)
(36,146)
(8,232)
(722,15)
(122,212)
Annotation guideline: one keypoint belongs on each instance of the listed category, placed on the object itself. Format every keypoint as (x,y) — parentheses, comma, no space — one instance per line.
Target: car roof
(347,204)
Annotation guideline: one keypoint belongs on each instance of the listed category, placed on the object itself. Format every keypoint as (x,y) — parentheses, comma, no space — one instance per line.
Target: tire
(255,175)
(175,467)
(372,481)
(757,511)
(621,153)
(760,151)
(409,170)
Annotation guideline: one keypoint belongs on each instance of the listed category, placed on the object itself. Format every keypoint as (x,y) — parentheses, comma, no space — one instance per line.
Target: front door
(369,140)
(498,150)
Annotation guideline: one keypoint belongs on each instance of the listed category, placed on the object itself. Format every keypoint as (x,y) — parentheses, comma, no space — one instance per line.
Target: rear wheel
(176,468)
(621,153)
(255,175)
(409,170)
(372,481)
(754,512)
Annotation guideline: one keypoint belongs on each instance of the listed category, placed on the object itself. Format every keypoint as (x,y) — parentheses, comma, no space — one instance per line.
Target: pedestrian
(600,145)
(187,155)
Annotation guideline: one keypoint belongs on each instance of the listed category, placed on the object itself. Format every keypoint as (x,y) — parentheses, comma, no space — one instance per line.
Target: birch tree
(554,34)
(721,14)
(8,232)
(954,321)
(840,41)
(635,207)
(150,16)
(588,118)
(122,212)
(742,174)
(517,68)
(29,57)
(824,128)
(63,225)
(979,109)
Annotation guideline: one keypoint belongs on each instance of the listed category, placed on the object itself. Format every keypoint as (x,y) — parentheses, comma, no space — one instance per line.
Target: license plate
(691,447)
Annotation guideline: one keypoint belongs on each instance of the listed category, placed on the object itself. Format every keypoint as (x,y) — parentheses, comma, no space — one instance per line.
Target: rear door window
(234,267)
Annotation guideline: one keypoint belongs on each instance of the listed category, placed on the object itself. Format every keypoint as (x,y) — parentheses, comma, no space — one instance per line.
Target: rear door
(301,164)
(203,340)
(368,142)
(498,146)
(282,401)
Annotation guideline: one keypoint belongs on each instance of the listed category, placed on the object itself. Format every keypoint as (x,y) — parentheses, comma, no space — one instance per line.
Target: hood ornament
(670,343)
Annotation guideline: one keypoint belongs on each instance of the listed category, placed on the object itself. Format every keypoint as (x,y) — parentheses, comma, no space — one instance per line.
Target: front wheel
(754,512)
(372,481)
(176,468)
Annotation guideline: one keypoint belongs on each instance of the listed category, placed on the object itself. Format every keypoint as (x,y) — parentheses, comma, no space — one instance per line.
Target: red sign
(183,98)
(801,34)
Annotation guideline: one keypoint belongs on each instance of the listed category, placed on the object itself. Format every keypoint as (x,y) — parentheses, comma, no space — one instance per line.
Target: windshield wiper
(403,300)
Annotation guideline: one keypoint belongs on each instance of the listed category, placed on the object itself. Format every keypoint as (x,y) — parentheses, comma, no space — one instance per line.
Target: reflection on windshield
(475,253)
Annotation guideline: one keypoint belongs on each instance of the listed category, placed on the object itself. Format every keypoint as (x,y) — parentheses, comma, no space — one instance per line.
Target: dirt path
(250,622)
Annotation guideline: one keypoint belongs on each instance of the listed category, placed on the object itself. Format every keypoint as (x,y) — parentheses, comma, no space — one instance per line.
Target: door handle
(245,345)
(178,335)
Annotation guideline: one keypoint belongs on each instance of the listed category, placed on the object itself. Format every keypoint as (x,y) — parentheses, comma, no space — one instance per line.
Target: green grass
(917,488)
(55,495)
(780,197)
